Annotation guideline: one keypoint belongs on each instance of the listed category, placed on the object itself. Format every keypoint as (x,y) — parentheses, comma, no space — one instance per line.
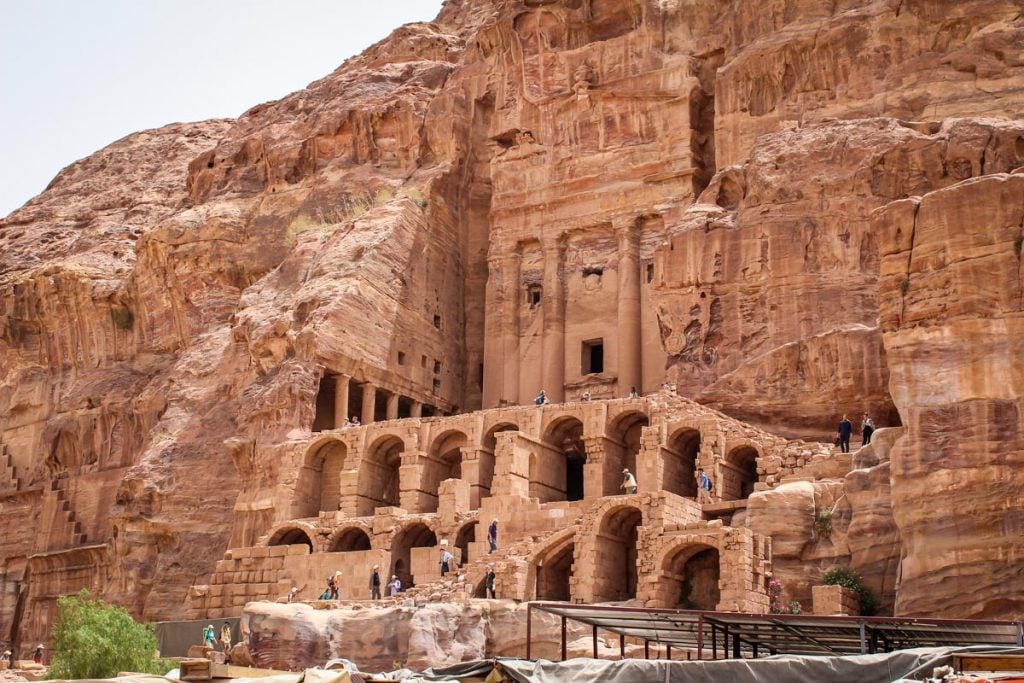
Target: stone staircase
(9,481)
(65,529)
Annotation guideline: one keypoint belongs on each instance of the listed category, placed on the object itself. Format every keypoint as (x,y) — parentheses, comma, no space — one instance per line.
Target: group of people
(210,639)
(351,422)
(37,656)
(704,484)
(845,431)
(541,399)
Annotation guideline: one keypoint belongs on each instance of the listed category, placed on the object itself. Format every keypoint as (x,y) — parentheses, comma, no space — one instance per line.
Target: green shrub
(823,523)
(847,578)
(95,640)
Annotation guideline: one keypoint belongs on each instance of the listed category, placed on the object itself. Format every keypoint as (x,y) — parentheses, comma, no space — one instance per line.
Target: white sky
(76,75)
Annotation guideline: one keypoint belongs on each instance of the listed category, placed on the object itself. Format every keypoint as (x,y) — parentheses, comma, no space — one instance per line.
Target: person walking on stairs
(489,582)
(375,583)
(704,487)
(492,536)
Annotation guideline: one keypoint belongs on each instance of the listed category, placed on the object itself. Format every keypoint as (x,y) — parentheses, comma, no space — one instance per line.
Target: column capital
(553,244)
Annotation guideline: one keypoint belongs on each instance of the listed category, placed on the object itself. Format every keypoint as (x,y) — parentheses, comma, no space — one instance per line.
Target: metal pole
(714,642)
(735,646)
(668,652)
(622,646)
(1020,634)
(647,649)
(563,637)
(595,642)
(700,637)
(754,648)
(725,642)
(529,629)
(863,638)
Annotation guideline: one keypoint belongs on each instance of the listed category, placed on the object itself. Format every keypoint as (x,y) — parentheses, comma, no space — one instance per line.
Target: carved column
(416,410)
(392,413)
(369,401)
(629,342)
(340,399)
(553,359)
(501,336)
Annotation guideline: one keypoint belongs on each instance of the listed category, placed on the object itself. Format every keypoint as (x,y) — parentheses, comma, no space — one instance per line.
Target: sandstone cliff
(168,305)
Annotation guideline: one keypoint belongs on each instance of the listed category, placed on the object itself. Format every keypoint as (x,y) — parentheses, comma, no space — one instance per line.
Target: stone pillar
(369,401)
(410,477)
(553,339)
(501,331)
(478,471)
(595,475)
(629,342)
(392,413)
(416,410)
(340,399)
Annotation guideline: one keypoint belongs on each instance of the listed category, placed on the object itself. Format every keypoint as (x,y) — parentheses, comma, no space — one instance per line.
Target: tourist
(628,482)
(704,486)
(867,428)
(289,598)
(37,656)
(209,638)
(375,583)
(334,584)
(355,421)
(492,536)
(346,424)
(489,582)
(395,586)
(845,430)
(632,393)
(586,397)
(446,561)
(225,636)
(541,398)
(9,656)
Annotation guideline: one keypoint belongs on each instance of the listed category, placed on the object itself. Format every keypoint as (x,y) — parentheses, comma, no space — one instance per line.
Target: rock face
(952,287)
(790,209)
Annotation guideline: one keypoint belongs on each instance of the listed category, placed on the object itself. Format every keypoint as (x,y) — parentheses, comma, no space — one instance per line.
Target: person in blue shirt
(703,487)
(845,430)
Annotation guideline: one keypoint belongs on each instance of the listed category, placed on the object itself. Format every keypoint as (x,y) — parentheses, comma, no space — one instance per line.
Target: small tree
(95,640)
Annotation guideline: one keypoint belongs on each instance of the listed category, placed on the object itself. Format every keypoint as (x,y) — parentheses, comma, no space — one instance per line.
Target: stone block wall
(835,600)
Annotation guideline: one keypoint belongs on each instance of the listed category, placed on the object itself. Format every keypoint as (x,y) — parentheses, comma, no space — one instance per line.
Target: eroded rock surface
(670,179)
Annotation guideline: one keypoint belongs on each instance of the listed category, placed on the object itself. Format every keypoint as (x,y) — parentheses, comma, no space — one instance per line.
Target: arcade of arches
(391,494)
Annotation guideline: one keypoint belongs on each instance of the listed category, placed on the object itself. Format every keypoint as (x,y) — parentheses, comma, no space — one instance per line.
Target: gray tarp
(879,668)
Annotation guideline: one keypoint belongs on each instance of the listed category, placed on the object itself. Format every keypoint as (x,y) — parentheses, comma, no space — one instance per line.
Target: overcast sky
(76,75)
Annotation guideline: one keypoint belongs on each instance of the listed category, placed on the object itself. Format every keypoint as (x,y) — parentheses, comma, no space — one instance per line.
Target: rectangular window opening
(592,357)
(650,273)
(533,293)
(401,358)
(437,321)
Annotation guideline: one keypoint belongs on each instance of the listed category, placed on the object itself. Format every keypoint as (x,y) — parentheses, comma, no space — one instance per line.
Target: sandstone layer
(789,209)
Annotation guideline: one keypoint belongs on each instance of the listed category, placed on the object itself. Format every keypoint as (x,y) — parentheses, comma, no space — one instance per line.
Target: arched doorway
(615,576)
(378,475)
(556,472)
(466,535)
(739,473)
(318,488)
(491,437)
(626,432)
(350,540)
(291,536)
(416,535)
(680,466)
(554,571)
(690,577)
(443,462)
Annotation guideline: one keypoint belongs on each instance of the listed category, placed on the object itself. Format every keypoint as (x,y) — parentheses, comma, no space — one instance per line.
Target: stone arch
(625,430)
(413,535)
(552,568)
(490,436)
(379,474)
(615,557)
(465,536)
(318,488)
(348,540)
(444,461)
(556,472)
(680,467)
(689,577)
(738,472)
(293,534)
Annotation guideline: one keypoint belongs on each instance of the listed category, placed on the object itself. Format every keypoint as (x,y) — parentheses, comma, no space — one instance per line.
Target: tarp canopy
(892,667)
